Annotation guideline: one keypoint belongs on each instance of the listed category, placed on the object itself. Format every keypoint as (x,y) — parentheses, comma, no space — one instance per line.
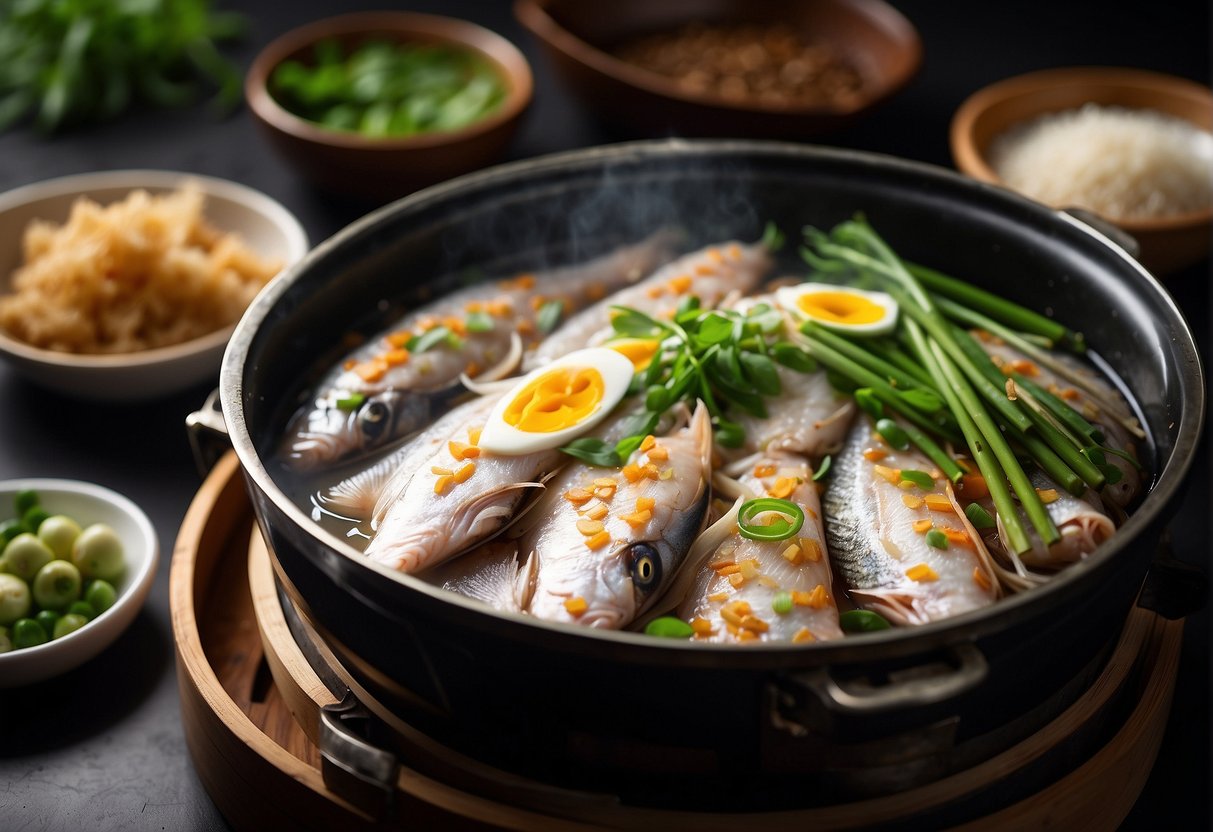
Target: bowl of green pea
(376,105)
(76,564)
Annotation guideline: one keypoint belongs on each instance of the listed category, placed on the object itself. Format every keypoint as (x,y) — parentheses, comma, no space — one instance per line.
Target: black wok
(678,724)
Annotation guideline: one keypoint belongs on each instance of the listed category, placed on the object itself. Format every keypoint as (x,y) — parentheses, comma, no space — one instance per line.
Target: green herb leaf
(893,433)
(624,448)
(925,400)
(793,357)
(761,372)
(823,468)
(979,517)
(866,398)
(430,339)
(920,478)
(862,621)
(714,329)
(668,627)
(729,434)
(772,237)
(593,451)
(635,324)
(657,399)
(549,316)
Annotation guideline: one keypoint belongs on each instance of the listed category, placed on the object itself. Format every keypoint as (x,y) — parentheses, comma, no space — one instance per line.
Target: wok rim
(894,642)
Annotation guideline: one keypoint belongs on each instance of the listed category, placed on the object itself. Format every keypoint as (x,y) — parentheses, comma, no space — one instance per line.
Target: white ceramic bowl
(86,503)
(266,226)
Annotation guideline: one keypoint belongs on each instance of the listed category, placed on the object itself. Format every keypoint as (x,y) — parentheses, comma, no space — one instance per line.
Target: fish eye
(374,419)
(645,566)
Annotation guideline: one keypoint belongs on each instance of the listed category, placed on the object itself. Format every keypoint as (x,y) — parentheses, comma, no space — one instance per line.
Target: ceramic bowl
(381,169)
(579,38)
(267,228)
(1167,243)
(87,504)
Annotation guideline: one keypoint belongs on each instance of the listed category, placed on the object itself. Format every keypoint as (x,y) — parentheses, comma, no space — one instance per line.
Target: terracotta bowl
(1168,243)
(383,169)
(578,38)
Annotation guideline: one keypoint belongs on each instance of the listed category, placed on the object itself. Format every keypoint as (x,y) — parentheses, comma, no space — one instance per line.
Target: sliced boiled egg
(640,351)
(557,402)
(841,308)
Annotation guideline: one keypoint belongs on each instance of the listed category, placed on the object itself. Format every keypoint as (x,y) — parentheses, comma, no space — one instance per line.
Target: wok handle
(208,434)
(964,667)
(354,769)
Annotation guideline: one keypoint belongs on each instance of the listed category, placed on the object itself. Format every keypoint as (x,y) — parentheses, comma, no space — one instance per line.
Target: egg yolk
(639,351)
(558,399)
(840,308)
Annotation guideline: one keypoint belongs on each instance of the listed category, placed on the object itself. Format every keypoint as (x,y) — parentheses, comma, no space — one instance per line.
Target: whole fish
(878,536)
(605,544)
(745,590)
(448,495)
(384,390)
(710,274)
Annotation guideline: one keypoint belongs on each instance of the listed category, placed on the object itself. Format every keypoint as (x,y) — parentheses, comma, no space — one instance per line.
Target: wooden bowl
(382,169)
(578,37)
(1167,243)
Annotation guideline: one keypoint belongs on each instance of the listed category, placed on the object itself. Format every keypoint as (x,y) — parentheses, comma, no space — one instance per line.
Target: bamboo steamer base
(250,705)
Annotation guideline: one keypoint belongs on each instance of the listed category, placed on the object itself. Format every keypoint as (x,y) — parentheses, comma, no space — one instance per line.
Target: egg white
(500,437)
(789,298)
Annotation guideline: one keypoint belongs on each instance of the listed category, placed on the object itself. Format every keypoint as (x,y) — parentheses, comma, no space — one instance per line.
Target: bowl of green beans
(376,105)
(76,563)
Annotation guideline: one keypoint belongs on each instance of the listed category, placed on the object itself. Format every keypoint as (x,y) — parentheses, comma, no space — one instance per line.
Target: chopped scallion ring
(350,402)
(787,520)
(920,478)
(978,516)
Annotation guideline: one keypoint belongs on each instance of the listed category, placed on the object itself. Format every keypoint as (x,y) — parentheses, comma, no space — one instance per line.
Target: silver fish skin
(710,274)
(873,545)
(490,573)
(1098,413)
(803,571)
(620,579)
(401,394)
(416,527)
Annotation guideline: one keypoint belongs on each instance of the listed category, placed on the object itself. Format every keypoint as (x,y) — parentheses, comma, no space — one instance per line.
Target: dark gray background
(102,747)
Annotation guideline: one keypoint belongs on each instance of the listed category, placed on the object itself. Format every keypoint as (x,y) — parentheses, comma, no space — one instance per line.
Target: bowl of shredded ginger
(125,285)
(375,105)
(1134,147)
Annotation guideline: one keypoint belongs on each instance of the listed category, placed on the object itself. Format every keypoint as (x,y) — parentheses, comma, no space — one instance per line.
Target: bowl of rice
(125,286)
(1132,146)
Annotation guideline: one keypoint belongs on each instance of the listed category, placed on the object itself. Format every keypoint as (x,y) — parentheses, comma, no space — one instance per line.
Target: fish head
(328,432)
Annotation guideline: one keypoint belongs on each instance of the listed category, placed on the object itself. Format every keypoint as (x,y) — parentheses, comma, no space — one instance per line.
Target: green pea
(100,595)
(10,529)
(937,539)
(6,643)
(14,599)
(28,633)
(82,608)
(46,619)
(862,621)
(56,585)
(97,552)
(25,500)
(34,518)
(668,627)
(68,624)
(59,532)
(25,555)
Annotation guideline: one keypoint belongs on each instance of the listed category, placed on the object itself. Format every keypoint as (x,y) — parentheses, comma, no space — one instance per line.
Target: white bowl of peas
(76,566)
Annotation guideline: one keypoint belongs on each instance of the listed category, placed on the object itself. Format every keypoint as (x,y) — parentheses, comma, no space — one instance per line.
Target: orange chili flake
(737,580)
(372,370)
(749,568)
(1025,367)
(783,487)
(631,472)
(651,471)
(1048,495)
(746,635)
(589,528)
(701,626)
(499,308)
(474,435)
(938,502)
(811,549)
(654,292)
(455,325)
(427,323)
(956,536)
(754,624)
(473,306)
(645,503)
(660,453)
(874,454)
(637,519)
(703,270)
(440,484)
(981,579)
(1069,394)
(595,291)
(466,471)
(819,598)
(394,358)
(922,526)
(399,339)
(906,485)
(599,540)
(576,606)
(734,251)
(717,597)
(680,284)
(911,500)
(578,496)
(720,564)
(349,364)
(973,486)
(764,470)
(714,255)
(460,450)
(525,327)
(793,554)
(438,469)
(648,442)
(893,475)
(802,636)
(597,512)
(729,569)
(922,573)
(472,369)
